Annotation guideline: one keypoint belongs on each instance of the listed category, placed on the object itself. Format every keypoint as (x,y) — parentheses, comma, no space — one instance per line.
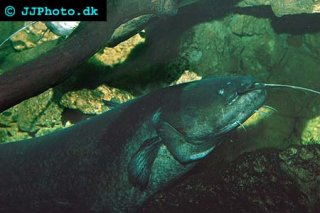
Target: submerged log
(53,67)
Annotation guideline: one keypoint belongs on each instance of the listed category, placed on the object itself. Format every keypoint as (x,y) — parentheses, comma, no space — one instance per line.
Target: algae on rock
(262,181)
(26,119)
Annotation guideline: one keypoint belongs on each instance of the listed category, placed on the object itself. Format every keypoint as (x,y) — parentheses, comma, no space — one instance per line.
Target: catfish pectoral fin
(140,165)
(182,150)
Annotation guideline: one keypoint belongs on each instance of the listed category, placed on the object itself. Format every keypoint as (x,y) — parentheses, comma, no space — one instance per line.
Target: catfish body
(117,160)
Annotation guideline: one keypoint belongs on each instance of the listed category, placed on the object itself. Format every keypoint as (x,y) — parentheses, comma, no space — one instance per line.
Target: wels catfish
(115,161)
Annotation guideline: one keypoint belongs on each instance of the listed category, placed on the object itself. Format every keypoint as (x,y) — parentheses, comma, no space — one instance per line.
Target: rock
(255,182)
(250,3)
(304,168)
(290,7)
(204,48)
(28,118)
(91,101)
(311,132)
(87,101)
(244,25)
(312,42)
(118,54)
(41,111)
(187,76)
(285,7)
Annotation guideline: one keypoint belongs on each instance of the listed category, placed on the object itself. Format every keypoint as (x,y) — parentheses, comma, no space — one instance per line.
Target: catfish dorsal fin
(139,168)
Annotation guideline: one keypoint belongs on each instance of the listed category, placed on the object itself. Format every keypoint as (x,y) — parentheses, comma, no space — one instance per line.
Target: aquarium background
(271,164)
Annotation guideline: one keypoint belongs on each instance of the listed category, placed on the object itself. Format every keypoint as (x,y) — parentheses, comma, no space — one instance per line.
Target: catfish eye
(221,92)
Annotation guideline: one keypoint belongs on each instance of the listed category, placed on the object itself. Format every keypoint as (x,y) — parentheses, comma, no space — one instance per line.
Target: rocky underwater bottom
(269,180)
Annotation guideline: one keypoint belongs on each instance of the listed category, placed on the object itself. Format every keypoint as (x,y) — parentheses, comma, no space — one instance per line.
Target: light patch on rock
(91,101)
(33,35)
(285,7)
(33,117)
(316,8)
(187,76)
(262,114)
(119,53)
(311,132)
(110,93)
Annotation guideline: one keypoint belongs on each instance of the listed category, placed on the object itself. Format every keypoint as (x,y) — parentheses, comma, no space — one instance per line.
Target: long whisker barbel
(21,29)
(270,107)
(287,86)
(242,126)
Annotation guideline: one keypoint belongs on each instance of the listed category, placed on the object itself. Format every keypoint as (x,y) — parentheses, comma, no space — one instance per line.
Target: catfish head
(206,110)
(192,122)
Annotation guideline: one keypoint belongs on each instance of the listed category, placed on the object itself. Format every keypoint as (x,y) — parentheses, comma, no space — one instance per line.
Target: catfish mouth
(250,87)
(244,103)
(246,99)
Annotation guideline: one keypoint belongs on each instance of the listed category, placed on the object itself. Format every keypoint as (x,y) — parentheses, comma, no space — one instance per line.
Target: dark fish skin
(53,67)
(115,161)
